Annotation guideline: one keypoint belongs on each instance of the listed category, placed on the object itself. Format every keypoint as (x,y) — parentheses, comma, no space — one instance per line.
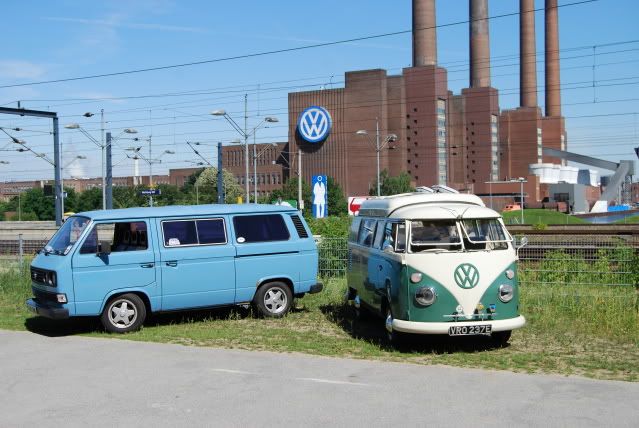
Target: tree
(207,185)
(337,205)
(392,185)
(89,200)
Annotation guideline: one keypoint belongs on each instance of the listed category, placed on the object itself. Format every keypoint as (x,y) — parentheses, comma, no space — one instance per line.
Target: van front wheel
(123,314)
(273,300)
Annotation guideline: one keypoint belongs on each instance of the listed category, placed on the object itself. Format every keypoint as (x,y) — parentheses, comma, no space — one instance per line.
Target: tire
(273,300)
(396,338)
(123,314)
(500,338)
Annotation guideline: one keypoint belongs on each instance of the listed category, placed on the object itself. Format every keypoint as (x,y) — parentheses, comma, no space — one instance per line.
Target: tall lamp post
(150,161)
(390,138)
(245,134)
(102,147)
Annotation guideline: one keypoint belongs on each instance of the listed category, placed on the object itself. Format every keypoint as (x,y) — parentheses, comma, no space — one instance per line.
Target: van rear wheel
(273,300)
(123,314)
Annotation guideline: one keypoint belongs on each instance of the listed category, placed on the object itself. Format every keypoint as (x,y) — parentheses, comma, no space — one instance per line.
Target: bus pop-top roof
(432,205)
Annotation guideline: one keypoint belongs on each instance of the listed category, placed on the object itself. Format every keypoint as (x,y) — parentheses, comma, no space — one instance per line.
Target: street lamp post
(521,181)
(150,161)
(390,138)
(245,134)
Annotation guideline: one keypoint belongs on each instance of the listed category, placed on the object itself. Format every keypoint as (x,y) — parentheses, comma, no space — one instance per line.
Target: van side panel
(198,275)
(294,259)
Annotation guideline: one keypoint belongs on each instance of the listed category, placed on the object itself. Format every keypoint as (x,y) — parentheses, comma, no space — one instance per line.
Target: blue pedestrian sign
(314,124)
(151,192)
(320,196)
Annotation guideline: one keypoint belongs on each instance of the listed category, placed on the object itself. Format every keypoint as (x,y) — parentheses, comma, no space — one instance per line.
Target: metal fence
(549,260)
(546,259)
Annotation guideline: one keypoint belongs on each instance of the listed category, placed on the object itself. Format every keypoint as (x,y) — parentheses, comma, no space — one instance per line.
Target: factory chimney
(424,33)
(553,85)
(479,44)
(528,54)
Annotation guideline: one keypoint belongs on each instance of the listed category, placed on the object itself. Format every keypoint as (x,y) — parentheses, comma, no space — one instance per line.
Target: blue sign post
(320,196)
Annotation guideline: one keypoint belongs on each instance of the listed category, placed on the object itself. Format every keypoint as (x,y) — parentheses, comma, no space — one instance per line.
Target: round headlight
(506,293)
(510,274)
(415,277)
(425,296)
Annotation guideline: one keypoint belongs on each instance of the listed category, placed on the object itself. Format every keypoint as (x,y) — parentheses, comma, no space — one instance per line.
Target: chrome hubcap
(275,300)
(122,314)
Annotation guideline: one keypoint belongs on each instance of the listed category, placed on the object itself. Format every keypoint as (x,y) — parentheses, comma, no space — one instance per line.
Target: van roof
(385,206)
(185,210)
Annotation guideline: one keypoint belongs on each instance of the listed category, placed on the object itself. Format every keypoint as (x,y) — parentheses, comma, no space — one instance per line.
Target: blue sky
(54,40)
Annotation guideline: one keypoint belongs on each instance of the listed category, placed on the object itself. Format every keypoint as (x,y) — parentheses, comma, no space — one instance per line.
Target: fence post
(20,251)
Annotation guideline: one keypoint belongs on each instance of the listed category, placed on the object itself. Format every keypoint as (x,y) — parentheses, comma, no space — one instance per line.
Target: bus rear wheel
(273,300)
(500,338)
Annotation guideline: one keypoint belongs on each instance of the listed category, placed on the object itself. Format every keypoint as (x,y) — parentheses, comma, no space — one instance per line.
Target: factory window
(408,150)
(415,120)
(407,126)
(408,161)
(408,138)
(408,116)
(415,132)
(416,166)
(415,109)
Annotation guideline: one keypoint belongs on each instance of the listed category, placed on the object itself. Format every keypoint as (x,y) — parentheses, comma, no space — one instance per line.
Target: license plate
(469,330)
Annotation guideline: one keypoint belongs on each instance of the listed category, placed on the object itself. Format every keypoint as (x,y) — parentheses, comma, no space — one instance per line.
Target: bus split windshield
(444,235)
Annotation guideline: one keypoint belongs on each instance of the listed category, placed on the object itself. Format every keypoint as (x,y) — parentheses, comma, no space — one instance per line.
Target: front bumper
(416,327)
(47,311)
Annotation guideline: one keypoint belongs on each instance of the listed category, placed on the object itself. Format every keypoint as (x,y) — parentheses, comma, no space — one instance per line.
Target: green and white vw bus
(435,262)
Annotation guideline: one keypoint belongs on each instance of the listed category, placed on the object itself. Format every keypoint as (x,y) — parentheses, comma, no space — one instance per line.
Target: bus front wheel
(500,338)
(123,314)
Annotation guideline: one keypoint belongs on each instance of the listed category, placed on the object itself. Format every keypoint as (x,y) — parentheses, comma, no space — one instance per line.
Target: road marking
(334,382)
(232,371)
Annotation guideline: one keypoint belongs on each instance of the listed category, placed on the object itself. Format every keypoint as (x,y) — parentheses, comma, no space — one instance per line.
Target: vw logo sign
(314,124)
(466,276)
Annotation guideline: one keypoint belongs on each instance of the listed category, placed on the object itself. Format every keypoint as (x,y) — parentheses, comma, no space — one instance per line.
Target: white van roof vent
(440,188)
(424,189)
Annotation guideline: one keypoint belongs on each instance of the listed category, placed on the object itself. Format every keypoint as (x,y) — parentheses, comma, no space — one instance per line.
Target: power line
(273,52)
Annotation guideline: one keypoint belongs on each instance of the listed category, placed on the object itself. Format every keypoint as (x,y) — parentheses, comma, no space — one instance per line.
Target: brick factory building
(461,140)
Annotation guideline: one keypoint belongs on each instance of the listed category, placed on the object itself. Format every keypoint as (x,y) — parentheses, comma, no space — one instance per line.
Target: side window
(366,231)
(352,233)
(178,233)
(211,231)
(122,236)
(260,228)
(379,234)
(399,234)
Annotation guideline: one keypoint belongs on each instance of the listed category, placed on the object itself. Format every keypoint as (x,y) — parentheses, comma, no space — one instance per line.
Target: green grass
(539,216)
(628,220)
(586,331)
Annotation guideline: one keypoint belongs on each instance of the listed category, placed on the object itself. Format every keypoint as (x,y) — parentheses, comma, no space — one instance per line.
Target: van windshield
(484,233)
(67,236)
(439,235)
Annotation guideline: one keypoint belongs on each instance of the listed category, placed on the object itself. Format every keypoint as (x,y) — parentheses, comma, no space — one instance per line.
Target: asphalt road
(76,381)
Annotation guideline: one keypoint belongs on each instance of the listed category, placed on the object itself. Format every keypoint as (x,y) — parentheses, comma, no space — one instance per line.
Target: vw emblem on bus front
(466,276)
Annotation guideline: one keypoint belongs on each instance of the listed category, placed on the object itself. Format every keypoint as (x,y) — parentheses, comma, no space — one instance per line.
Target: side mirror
(104,248)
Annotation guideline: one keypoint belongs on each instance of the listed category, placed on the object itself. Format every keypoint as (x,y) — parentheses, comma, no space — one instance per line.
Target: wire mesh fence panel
(586,260)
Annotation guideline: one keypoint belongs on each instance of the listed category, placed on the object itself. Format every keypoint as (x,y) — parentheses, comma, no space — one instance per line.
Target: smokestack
(424,33)
(479,44)
(553,85)
(528,54)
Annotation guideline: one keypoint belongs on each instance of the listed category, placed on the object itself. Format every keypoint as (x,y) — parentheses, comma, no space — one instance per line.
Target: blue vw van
(122,264)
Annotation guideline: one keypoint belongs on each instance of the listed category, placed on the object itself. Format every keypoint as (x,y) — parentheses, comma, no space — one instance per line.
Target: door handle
(379,267)
(172,263)
(147,265)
